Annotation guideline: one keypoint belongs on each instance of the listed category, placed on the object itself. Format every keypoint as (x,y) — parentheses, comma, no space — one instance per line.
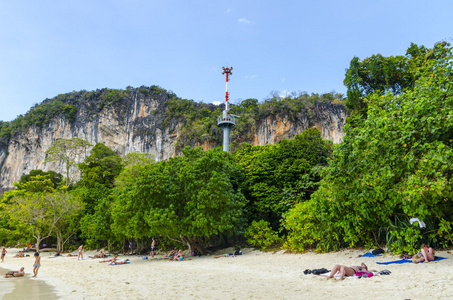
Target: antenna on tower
(226,121)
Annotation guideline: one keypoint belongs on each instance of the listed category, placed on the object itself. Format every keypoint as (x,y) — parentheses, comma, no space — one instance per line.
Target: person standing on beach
(36,265)
(80,252)
(3,253)
(153,245)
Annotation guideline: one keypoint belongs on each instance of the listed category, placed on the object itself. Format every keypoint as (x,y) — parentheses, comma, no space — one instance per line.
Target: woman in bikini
(80,252)
(347,271)
(37,264)
(3,253)
(426,253)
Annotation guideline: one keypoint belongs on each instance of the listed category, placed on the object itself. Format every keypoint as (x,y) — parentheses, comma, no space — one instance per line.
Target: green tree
(394,167)
(101,167)
(70,207)
(55,177)
(278,176)
(188,198)
(40,211)
(380,74)
(66,152)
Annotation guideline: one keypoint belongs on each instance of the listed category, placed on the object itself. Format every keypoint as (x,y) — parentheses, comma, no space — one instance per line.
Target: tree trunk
(59,241)
(197,246)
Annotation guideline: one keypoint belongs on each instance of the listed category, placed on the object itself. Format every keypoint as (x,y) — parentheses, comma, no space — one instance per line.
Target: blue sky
(53,47)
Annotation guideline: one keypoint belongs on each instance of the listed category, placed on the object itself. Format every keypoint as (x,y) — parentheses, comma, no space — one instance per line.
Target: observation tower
(226,121)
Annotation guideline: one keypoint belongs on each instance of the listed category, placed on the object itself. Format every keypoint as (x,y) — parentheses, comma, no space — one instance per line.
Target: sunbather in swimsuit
(346,271)
(359,268)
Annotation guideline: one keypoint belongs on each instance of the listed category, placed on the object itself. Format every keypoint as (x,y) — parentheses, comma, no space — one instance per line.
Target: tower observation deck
(226,121)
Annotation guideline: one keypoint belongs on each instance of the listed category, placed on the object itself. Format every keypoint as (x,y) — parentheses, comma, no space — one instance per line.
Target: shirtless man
(153,245)
(80,252)
(347,271)
(100,255)
(426,253)
(19,273)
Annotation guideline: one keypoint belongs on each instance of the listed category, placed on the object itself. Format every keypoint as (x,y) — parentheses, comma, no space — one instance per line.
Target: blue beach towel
(369,254)
(404,261)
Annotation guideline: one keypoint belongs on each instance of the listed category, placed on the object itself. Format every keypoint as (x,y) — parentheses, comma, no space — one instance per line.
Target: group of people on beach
(21,272)
(426,255)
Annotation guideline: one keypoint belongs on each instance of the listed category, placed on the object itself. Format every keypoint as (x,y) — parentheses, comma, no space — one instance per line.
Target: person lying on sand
(426,253)
(70,255)
(222,255)
(115,261)
(20,254)
(347,271)
(19,273)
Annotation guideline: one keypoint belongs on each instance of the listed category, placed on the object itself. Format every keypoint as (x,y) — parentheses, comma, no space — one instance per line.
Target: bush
(260,234)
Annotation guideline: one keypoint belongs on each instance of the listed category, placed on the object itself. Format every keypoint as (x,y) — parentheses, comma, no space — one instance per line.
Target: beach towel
(404,261)
(126,263)
(369,254)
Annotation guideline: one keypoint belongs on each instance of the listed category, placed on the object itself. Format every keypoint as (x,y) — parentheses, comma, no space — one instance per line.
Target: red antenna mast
(227,71)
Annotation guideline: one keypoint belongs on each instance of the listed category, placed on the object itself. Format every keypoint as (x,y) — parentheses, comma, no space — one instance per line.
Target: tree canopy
(278,176)
(395,166)
(187,198)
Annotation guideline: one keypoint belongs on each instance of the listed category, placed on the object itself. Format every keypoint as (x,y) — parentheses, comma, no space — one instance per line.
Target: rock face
(139,123)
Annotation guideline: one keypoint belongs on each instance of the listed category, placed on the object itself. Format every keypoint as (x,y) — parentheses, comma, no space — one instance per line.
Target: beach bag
(377,251)
(319,271)
(364,274)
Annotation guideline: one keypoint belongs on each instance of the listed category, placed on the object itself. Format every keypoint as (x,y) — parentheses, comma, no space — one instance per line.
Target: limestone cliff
(146,119)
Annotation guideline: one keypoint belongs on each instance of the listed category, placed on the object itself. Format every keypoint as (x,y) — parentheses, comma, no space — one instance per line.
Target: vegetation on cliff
(199,120)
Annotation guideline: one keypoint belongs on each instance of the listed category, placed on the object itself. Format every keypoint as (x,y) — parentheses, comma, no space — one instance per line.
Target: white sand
(253,275)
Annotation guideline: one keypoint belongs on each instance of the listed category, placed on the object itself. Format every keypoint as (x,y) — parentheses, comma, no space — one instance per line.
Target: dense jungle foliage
(393,165)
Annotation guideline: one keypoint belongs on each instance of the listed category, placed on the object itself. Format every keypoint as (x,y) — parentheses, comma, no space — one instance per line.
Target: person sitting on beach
(19,273)
(426,253)
(179,256)
(100,255)
(347,271)
(173,252)
(20,254)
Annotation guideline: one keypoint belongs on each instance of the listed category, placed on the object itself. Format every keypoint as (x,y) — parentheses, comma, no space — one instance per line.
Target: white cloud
(244,20)
(284,93)
(250,77)
(216,102)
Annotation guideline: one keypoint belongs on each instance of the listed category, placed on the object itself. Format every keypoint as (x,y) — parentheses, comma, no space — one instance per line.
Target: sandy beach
(253,275)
